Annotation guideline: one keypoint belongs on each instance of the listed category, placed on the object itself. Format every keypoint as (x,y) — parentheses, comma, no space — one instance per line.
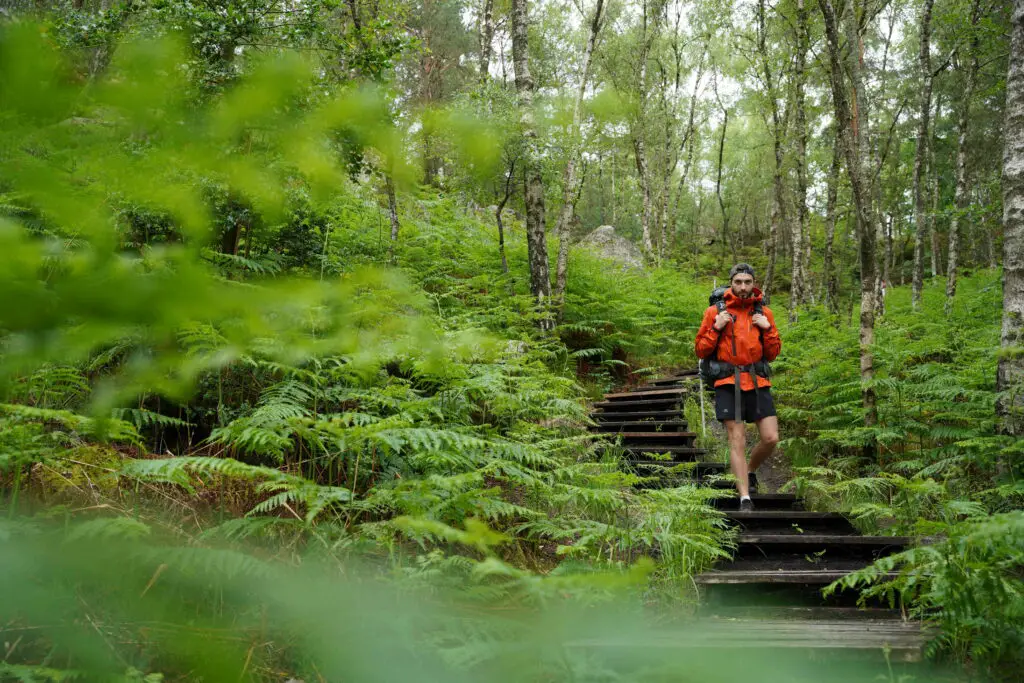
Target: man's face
(743,285)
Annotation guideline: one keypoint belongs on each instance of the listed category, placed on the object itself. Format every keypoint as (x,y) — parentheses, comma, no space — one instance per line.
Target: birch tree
(831,200)
(536,240)
(799,275)
(1010,371)
(571,178)
(961,198)
(921,153)
(852,125)
(778,133)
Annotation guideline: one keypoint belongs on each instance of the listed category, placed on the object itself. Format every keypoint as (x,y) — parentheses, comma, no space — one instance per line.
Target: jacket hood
(732,300)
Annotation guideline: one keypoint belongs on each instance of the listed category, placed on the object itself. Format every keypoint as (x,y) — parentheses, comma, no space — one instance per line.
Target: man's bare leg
(737,455)
(768,427)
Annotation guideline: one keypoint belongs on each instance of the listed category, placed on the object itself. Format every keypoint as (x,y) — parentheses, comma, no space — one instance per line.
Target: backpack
(711,369)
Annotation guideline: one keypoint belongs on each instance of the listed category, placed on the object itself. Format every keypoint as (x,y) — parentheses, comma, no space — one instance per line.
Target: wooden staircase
(769,594)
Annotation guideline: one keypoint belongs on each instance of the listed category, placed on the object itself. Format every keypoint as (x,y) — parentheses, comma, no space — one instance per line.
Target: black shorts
(754,404)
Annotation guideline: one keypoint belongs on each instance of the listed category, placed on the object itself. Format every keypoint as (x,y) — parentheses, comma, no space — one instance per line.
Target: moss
(81,469)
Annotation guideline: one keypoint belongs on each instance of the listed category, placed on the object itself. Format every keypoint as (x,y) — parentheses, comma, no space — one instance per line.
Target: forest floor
(775,472)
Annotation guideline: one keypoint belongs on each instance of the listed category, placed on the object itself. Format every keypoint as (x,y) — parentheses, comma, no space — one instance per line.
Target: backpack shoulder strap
(759,308)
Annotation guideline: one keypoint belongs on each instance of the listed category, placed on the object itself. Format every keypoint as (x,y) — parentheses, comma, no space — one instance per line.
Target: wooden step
(800,549)
(821,577)
(648,394)
(762,502)
(897,636)
(705,473)
(667,381)
(667,427)
(824,612)
(600,417)
(653,445)
(636,449)
(641,403)
(824,539)
(656,435)
(781,514)
(882,639)
(679,456)
(682,374)
(791,522)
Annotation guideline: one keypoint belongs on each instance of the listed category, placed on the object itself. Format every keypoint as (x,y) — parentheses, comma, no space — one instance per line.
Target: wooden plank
(772,497)
(653,448)
(637,415)
(675,452)
(782,515)
(641,423)
(803,576)
(809,539)
(643,402)
(905,638)
(783,502)
(655,435)
(657,392)
(822,612)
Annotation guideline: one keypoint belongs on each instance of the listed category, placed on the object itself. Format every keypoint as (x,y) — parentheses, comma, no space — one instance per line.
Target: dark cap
(741,268)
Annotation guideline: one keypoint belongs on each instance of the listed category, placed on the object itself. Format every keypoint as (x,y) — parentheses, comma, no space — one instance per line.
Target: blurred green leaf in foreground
(73,156)
(109,598)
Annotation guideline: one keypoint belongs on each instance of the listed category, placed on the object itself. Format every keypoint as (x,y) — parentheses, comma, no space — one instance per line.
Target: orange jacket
(748,338)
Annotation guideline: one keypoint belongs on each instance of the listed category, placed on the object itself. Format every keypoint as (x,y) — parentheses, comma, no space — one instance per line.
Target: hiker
(741,334)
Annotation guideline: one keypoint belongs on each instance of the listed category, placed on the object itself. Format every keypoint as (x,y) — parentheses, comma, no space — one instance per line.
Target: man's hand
(761,321)
(722,319)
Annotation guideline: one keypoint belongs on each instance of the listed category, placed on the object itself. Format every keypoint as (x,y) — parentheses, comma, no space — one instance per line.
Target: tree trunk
(497,215)
(645,187)
(669,159)
(852,123)
(571,178)
(990,240)
(779,208)
(832,197)
(961,197)
(884,281)
(798,294)
(389,187)
(486,38)
(934,174)
(688,143)
(718,181)
(663,211)
(921,153)
(536,240)
(639,148)
(614,158)
(1010,371)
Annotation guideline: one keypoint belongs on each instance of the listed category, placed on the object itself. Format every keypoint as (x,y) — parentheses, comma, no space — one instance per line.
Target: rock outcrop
(605,242)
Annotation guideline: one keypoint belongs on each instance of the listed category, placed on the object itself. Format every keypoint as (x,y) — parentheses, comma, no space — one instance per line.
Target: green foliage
(170,296)
(934,379)
(935,468)
(176,612)
(199,343)
(968,584)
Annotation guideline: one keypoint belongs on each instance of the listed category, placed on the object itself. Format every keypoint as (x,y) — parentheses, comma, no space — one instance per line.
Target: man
(743,334)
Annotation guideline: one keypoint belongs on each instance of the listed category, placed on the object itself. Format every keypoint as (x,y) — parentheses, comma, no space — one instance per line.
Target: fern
(956,582)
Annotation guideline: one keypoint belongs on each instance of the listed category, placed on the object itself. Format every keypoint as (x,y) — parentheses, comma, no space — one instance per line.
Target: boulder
(605,242)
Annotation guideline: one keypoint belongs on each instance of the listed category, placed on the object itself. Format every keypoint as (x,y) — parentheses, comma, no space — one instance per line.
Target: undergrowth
(210,382)
(935,467)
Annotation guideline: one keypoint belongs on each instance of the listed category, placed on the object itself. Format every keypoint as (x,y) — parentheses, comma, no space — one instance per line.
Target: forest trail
(769,594)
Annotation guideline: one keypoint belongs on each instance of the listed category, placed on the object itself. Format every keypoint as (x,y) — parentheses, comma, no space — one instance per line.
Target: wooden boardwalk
(769,594)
